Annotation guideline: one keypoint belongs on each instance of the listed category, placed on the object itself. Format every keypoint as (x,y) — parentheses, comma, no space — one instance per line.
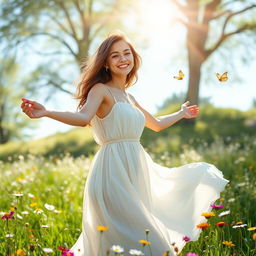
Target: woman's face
(120,60)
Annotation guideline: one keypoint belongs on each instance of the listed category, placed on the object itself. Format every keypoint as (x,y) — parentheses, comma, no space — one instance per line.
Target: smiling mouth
(123,66)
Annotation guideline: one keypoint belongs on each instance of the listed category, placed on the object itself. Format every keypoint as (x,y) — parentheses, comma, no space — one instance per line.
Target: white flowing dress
(128,192)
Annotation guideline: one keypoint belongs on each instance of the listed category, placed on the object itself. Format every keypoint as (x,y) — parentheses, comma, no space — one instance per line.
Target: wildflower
(45,226)
(48,250)
(102,228)
(215,206)
(38,211)
(221,224)
(239,226)
(144,242)
(9,235)
(191,254)
(21,252)
(8,216)
(24,212)
(208,214)
(166,253)
(49,207)
(17,194)
(186,238)
(33,204)
(117,248)
(225,213)
(251,229)
(231,200)
(254,236)
(228,243)
(136,252)
(203,225)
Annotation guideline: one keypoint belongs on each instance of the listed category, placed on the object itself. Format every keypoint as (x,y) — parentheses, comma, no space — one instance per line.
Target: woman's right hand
(33,109)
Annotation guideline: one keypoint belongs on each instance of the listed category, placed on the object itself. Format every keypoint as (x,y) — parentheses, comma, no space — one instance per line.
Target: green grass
(60,182)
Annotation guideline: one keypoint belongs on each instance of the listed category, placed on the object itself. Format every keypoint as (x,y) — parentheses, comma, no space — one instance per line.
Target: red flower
(186,238)
(221,224)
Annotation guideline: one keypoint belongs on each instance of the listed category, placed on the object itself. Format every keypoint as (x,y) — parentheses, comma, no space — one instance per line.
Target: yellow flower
(208,214)
(221,199)
(254,236)
(21,252)
(239,223)
(166,253)
(102,228)
(144,242)
(228,243)
(33,204)
(251,229)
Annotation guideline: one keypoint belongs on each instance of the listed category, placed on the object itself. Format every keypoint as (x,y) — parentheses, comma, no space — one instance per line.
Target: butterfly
(223,77)
(180,77)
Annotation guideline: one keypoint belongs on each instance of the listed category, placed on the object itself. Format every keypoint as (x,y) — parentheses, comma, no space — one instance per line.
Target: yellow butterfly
(180,77)
(223,77)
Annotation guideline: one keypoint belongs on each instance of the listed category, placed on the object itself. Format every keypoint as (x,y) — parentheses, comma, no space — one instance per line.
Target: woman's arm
(161,122)
(83,117)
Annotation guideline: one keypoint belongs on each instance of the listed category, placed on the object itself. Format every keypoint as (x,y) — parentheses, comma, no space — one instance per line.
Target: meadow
(42,193)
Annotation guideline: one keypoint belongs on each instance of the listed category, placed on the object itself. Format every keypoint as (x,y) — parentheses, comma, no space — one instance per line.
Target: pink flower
(8,216)
(65,251)
(186,238)
(191,254)
(215,206)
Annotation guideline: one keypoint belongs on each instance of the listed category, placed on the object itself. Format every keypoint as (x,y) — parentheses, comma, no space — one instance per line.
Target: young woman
(125,190)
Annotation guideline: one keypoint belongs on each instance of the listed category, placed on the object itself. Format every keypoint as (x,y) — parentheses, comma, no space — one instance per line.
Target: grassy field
(45,190)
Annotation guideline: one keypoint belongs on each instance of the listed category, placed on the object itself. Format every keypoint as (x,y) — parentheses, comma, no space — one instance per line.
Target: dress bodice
(125,121)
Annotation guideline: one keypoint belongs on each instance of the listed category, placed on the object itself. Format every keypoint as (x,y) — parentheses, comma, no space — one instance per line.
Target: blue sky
(162,57)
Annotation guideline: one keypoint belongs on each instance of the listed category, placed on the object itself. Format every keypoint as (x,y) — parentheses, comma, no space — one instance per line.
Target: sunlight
(158,17)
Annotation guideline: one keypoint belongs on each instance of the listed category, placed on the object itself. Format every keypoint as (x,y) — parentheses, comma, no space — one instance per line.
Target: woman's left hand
(189,111)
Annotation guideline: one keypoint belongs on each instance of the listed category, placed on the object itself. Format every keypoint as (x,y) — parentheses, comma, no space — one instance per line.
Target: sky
(162,58)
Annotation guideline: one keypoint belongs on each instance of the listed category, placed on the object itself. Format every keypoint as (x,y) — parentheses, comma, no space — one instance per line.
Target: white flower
(240,226)
(25,213)
(49,207)
(48,250)
(231,200)
(31,195)
(136,252)
(19,216)
(45,226)
(17,194)
(9,235)
(117,248)
(38,211)
(224,213)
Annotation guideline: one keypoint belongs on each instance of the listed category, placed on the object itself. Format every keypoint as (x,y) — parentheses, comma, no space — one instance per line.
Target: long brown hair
(93,69)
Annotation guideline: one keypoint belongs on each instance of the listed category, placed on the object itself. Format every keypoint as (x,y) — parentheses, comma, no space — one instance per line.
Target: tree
(11,122)
(62,32)
(197,18)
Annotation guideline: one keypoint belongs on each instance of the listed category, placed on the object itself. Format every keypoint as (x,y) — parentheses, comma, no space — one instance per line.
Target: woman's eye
(128,53)
(114,56)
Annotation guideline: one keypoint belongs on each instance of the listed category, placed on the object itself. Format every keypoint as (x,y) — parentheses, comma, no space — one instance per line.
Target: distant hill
(228,124)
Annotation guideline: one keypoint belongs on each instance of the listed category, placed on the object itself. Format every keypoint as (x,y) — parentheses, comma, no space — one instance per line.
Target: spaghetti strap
(112,95)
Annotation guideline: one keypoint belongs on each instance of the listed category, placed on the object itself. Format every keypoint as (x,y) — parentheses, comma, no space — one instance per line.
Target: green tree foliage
(210,24)
(61,32)
(11,122)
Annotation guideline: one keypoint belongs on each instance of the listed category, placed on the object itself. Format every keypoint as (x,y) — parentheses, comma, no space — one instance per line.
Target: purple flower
(191,254)
(8,216)
(215,206)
